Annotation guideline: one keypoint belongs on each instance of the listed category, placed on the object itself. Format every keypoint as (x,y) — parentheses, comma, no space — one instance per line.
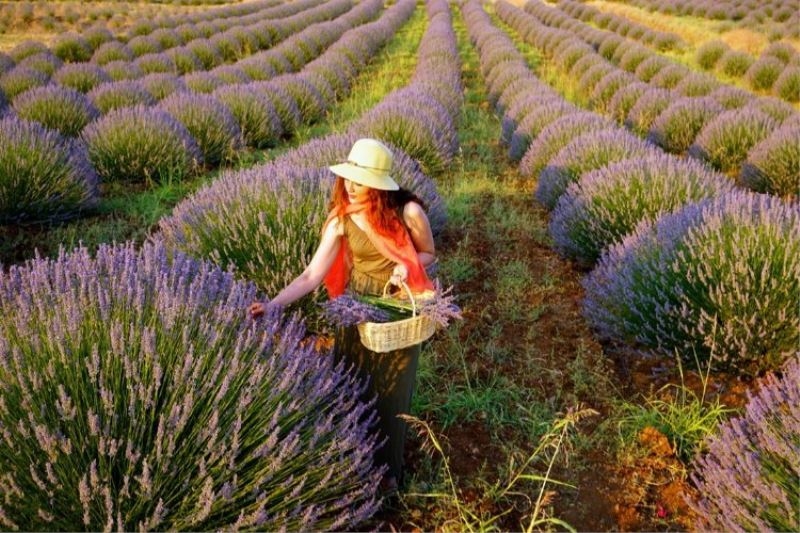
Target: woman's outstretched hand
(258,309)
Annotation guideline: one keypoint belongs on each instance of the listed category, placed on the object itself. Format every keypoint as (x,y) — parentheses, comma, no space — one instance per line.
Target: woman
(376,233)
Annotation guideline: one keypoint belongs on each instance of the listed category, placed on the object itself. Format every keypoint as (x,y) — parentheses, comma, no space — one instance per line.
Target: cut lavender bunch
(347,310)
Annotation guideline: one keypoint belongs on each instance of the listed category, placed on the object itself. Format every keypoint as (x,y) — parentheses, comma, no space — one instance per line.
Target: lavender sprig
(347,310)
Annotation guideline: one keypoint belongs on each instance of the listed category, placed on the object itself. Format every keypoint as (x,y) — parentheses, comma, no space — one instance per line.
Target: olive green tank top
(371,270)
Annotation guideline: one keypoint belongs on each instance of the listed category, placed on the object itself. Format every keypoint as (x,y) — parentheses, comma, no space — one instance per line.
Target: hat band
(351,162)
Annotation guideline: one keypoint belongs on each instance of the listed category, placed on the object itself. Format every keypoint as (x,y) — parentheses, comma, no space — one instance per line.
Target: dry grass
(694,30)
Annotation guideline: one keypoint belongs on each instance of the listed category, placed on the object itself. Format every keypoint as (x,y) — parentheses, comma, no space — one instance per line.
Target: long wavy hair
(383,210)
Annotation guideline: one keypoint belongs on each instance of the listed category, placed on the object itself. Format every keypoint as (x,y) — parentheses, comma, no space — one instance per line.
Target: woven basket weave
(384,337)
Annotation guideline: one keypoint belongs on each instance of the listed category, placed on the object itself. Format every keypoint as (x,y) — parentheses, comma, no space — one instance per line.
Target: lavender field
(614,191)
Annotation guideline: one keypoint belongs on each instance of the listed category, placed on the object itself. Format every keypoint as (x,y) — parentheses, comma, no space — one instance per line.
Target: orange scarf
(338,276)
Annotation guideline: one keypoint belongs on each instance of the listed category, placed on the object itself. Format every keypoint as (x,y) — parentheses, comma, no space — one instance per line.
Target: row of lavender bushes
(776,71)
(603,184)
(660,40)
(781,16)
(144,436)
(265,221)
(72,47)
(733,131)
(687,269)
(170,140)
(135,396)
(224,52)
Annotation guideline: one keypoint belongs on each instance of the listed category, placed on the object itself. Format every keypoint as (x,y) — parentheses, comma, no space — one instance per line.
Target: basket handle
(410,295)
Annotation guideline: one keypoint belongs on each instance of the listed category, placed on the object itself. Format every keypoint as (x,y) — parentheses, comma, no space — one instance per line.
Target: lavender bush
(787,86)
(118,94)
(112,51)
(26,49)
(144,44)
(123,70)
(651,66)
(778,109)
(82,77)
(43,176)
(264,221)
(141,144)
(284,104)
(606,204)
(677,126)
(748,479)
(20,79)
(534,122)
(696,84)
(159,406)
(586,152)
(254,113)
(624,99)
(649,106)
(709,53)
(763,72)
(725,141)
(773,165)
(782,51)
(555,136)
(735,63)
(209,121)
(669,76)
(58,108)
(161,85)
(607,88)
(185,60)
(731,97)
(718,277)
(153,63)
(72,48)
(46,63)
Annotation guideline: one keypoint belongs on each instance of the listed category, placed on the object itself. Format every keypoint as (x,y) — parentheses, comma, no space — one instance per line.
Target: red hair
(380,213)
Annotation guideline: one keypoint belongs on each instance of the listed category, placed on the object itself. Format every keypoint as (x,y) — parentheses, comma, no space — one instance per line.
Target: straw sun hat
(369,163)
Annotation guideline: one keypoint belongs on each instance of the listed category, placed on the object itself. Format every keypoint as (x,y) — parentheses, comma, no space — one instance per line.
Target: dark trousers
(391,377)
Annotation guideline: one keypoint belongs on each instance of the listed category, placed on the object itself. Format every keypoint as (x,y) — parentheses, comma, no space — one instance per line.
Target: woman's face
(356,192)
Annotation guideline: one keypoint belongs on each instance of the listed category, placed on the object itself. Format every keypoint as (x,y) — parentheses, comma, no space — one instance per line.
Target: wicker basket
(384,337)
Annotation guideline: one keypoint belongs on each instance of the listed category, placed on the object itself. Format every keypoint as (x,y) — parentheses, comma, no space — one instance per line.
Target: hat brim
(363,176)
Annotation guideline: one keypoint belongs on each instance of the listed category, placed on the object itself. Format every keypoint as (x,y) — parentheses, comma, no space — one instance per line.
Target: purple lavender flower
(763,72)
(144,44)
(282,424)
(82,77)
(557,134)
(161,85)
(112,51)
(348,310)
(725,141)
(255,114)
(141,144)
(72,48)
(58,108)
(649,105)
(773,165)
(20,79)
(27,48)
(748,478)
(731,97)
(123,70)
(43,176)
(118,94)
(675,128)
(46,63)
(209,121)
(157,62)
(717,279)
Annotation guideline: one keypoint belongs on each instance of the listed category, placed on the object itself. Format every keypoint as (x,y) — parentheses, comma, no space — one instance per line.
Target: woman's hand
(258,309)
(399,275)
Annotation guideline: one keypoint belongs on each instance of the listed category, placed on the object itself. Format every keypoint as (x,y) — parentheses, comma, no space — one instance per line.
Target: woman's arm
(419,228)
(312,276)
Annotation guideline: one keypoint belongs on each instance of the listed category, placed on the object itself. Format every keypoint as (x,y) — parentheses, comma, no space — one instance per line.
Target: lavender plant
(185,60)
(624,99)
(720,276)
(555,136)
(119,94)
(27,48)
(43,176)
(123,70)
(748,479)
(677,126)
(649,105)
(254,113)
(586,152)
(141,144)
(773,165)
(209,121)
(72,48)
(20,79)
(157,62)
(83,77)
(58,108)
(606,204)
(112,51)
(669,76)
(763,72)
(731,97)
(778,109)
(46,63)
(651,66)
(725,141)
(160,407)
(709,53)
(536,120)
(161,85)
(697,84)
(735,63)
(787,86)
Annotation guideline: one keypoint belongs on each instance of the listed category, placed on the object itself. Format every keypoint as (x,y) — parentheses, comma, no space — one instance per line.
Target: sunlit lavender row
(135,396)
(603,184)
(99,45)
(679,111)
(133,142)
